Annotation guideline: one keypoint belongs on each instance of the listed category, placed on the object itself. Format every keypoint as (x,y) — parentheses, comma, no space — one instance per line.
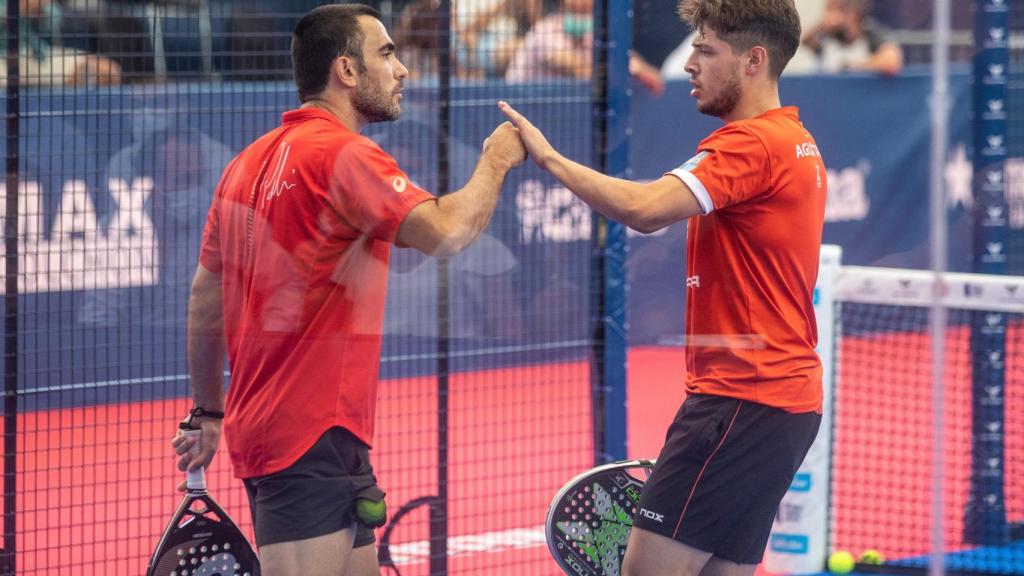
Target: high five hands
(536,144)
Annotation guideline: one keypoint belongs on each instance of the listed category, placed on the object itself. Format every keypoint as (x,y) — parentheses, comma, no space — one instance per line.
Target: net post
(939,256)
(985,515)
(439,507)
(799,540)
(612,92)
(11,274)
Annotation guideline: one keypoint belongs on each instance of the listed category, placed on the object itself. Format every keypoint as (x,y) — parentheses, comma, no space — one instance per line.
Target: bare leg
(363,562)
(719,567)
(327,555)
(650,554)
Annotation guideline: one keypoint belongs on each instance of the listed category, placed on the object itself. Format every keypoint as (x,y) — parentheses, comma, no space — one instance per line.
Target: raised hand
(536,144)
(505,145)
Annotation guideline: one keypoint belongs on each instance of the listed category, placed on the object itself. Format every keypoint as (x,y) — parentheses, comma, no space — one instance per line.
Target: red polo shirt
(300,231)
(752,262)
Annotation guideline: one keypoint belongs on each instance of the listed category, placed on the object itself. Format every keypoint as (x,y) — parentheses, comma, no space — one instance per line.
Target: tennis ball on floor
(872,556)
(840,562)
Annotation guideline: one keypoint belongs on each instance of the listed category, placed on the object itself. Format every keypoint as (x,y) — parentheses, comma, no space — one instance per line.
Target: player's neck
(754,103)
(340,108)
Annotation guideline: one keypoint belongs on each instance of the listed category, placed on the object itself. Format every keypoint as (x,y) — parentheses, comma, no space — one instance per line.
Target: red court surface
(96,484)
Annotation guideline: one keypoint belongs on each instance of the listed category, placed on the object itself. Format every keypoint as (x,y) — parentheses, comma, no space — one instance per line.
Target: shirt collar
(304,114)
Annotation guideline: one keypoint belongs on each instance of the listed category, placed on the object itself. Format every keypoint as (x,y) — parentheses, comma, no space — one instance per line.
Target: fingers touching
(533,139)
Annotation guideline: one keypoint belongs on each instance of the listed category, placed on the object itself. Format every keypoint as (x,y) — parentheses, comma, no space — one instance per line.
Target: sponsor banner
(985,517)
(954,290)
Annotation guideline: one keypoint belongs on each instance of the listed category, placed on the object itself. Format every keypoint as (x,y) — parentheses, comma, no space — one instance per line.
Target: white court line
(512,539)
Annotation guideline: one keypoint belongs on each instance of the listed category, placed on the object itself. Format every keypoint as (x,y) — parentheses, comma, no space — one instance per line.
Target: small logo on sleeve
(399,184)
(693,162)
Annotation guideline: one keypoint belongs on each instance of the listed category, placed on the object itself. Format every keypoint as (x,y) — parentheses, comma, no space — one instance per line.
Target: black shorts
(725,467)
(315,495)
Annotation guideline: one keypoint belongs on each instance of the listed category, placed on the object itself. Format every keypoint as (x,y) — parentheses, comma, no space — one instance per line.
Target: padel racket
(589,520)
(201,539)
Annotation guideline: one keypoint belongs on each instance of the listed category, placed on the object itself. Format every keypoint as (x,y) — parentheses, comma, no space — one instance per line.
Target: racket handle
(195,480)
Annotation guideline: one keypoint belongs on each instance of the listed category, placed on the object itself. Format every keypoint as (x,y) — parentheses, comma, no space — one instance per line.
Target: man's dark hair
(743,24)
(321,36)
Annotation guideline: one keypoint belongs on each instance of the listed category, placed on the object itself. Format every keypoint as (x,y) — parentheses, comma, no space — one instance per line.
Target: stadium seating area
(182,40)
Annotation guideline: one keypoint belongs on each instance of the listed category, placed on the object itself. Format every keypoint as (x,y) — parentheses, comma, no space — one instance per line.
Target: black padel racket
(589,520)
(201,539)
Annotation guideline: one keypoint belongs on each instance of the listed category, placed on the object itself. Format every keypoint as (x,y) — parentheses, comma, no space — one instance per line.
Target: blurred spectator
(488,33)
(674,66)
(646,74)
(43,60)
(558,46)
(657,29)
(418,32)
(484,35)
(178,167)
(561,46)
(848,39)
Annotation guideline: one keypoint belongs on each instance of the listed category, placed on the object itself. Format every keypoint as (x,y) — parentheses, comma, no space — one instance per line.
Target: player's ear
(346,69)
(757,58)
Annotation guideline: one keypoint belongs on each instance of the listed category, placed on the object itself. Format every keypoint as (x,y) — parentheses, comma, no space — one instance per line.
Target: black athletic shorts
(315,495)
(725,467)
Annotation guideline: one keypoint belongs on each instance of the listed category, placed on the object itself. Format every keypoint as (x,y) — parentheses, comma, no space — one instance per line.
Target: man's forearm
(614,198)
(474,204)
(206,347)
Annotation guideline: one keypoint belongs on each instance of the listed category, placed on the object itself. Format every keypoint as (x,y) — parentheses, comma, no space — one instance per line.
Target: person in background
(488,33)
(43,61)
(561,45)
(484,35)
(848,39)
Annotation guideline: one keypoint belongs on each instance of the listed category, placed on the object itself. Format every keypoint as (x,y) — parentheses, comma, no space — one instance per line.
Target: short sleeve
(370,191)
(731,166)
(210,255)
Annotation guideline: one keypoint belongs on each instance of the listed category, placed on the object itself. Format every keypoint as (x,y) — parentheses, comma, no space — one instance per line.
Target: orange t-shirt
(300,231)
(752,262)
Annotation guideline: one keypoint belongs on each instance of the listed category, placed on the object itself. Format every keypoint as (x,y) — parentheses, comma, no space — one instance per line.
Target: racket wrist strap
(199,412)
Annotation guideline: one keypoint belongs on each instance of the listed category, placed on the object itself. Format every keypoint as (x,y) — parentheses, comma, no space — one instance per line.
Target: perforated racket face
(202,540)
(589,521)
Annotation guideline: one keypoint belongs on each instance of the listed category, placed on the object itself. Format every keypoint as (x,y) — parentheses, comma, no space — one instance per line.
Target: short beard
(726,100)
(373,104)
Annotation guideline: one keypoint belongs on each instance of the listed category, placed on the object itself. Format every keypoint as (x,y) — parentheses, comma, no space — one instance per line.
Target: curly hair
(743,24)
